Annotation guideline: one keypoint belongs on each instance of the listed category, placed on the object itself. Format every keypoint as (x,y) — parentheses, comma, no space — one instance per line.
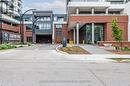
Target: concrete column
(77,33)
(74,35)
(77,11)
(92,11)
(92,33)
(34,36)
(53,34)
(124,1)
(106,11)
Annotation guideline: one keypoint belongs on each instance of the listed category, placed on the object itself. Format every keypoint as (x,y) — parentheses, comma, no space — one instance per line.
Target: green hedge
(7,46)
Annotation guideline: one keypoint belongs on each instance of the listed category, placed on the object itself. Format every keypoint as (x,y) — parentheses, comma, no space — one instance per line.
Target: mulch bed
(74,50)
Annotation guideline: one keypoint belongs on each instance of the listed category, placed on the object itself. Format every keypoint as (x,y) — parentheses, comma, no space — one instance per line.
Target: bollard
(64,42)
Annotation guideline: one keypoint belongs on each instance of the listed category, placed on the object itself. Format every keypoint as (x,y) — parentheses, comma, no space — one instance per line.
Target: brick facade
(64,33)
(107,20)
(9,33)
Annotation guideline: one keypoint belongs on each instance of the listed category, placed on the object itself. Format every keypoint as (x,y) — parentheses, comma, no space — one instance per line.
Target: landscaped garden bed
(121,50)
(7,46)
(73,50)
(120,59)
(11,46)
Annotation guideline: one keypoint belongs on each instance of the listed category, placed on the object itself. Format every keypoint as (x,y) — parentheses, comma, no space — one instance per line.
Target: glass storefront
(98,33)
(88,38)
(86,33)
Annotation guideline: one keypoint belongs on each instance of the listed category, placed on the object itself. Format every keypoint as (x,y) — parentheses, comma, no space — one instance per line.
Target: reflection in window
(58,33)
(44,26)
(58,26)
(60,19)
(44,19)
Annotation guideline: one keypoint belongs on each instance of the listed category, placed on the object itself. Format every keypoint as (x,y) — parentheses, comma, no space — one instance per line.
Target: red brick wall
(11,28)
(64,33)
(27,33)
(70,35)
(124,27)
(97,19)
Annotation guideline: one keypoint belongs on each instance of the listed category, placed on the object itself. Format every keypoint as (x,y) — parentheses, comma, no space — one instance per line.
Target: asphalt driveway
(41,65)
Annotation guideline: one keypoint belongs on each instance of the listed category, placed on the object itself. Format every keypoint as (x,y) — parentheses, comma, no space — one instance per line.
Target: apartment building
(10,10)
(45,27)
(44,20)
(89,21)
(60,28)
(86,21)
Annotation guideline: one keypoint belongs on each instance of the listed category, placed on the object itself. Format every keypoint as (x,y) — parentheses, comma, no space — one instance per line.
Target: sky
(57,6)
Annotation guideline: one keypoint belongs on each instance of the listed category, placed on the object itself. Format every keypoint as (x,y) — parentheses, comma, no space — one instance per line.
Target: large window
(58,33)
(58,26)
(60,19)
(46,18)
(59,30)
(44,26)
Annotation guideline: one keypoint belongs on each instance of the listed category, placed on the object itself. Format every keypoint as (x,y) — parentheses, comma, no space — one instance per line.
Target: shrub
(126,48)
(29,44)
(21,46)
(117,47)
(4,46)
(7,46)
(117,32)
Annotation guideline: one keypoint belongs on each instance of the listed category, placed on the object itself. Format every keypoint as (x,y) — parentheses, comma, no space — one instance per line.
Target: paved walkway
(41,65)
(95,49)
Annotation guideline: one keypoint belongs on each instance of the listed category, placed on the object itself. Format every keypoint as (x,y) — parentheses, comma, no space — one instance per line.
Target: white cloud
(57,4)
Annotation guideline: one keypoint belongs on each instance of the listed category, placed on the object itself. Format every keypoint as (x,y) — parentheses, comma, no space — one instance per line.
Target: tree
(117,33)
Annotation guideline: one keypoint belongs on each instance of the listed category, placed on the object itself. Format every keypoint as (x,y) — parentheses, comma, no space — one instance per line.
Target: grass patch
(120,59)
(74,50)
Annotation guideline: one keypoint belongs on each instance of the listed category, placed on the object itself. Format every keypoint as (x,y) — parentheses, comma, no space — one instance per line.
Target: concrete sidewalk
(95,49)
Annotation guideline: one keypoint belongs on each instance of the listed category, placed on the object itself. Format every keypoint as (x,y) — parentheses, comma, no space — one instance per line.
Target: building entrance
(86,33)
(43,38)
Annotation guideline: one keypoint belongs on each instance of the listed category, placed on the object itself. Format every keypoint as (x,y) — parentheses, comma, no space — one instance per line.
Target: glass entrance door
(98,33)
(88,37)
(86,33)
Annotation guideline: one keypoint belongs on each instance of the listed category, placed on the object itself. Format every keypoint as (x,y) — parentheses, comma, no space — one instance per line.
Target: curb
(60,50)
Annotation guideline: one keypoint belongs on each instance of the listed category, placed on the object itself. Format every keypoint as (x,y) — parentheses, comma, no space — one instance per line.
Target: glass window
(60,19)
(58,33)
(44,19)
(44,26)
(55,18)
(58,26)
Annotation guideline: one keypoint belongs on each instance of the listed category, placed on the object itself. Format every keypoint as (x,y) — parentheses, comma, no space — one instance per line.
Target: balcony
(88,4)
(9,19)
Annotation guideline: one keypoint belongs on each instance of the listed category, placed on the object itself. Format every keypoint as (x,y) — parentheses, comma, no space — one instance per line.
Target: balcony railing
(111,1)
(5,17)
